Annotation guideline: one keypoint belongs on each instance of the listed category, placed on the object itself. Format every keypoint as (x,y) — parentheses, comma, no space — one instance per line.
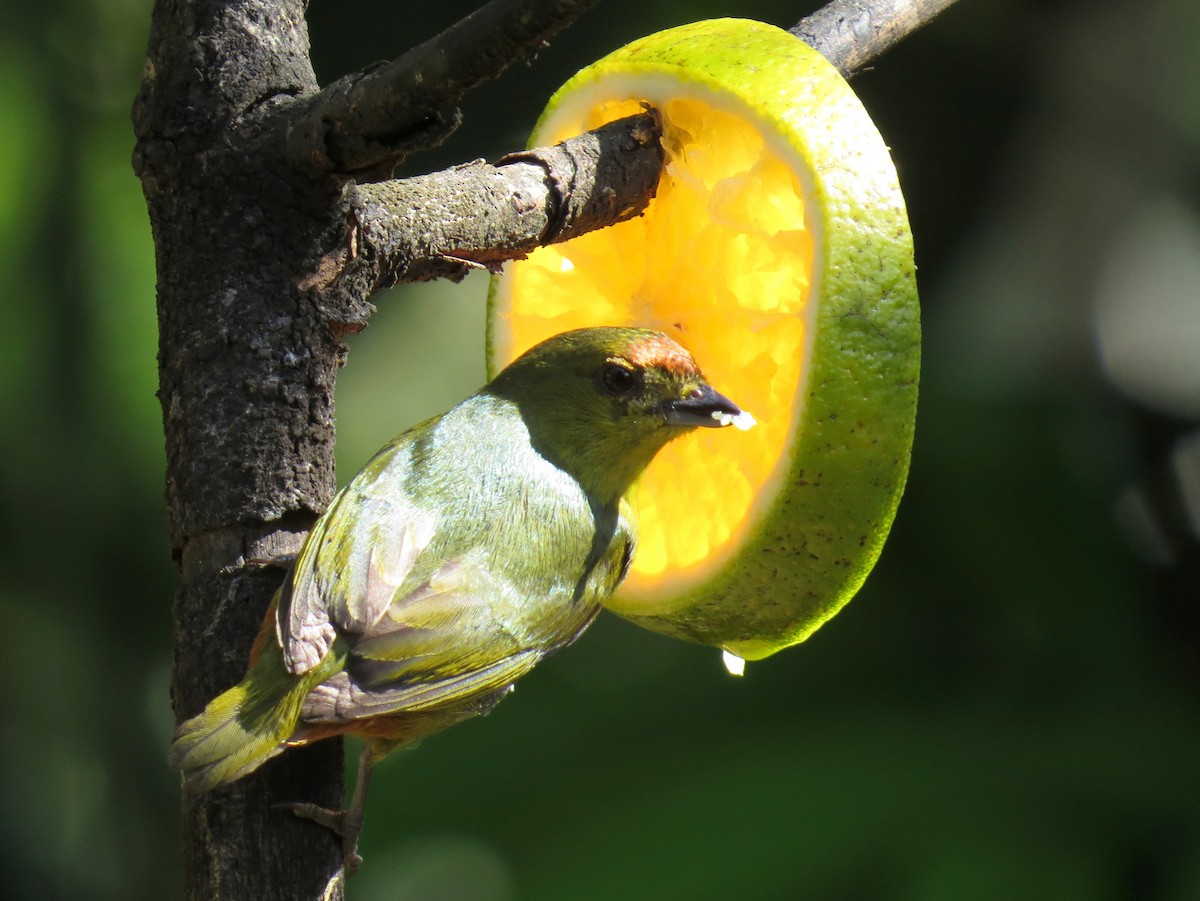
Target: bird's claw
(257,564)
(275,561)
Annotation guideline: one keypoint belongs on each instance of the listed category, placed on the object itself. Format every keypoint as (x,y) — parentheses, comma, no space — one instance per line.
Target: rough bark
(274,223)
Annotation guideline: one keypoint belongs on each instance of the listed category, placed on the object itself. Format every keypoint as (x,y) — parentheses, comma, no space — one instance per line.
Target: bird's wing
(356,558)
(454,623)
(447,642)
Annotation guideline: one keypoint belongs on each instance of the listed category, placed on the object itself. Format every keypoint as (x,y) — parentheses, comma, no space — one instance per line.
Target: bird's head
(601,402)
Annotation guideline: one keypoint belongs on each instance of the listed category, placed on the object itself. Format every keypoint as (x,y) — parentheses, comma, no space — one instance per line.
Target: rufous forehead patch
(664,353)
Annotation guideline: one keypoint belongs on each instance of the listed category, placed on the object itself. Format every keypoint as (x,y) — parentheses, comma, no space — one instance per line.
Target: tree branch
(367,122)
(478,215)
(851,33)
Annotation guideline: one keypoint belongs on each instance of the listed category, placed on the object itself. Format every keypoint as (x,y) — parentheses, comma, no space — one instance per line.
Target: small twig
(367,121)
(851,33)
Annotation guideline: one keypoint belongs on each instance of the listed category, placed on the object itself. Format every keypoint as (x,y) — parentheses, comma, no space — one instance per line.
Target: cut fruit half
(777,250)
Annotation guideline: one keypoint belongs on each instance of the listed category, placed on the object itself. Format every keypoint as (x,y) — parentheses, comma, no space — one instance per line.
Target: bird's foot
(346,823)
(342,823)
(276,561)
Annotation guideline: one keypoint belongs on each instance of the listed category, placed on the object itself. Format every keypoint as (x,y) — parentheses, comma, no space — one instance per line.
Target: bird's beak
(702,407)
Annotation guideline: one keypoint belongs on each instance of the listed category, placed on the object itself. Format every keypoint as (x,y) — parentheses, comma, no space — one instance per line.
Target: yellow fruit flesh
(722,261)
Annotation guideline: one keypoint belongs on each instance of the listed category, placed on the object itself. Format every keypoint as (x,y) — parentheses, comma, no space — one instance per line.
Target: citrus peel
(777,249)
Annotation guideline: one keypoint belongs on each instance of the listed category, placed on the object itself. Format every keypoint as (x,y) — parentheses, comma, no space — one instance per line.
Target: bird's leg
(352,819)
(346,823)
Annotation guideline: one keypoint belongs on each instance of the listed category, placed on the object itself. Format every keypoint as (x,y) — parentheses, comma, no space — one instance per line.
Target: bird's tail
(241,729)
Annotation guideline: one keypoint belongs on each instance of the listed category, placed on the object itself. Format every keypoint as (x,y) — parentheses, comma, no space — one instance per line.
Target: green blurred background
(1011,707)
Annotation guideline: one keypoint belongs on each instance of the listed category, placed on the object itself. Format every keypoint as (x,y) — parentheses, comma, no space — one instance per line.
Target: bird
(464,552)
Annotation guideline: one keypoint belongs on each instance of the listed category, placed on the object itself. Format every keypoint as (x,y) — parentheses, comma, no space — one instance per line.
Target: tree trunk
(274,222)
(246,367)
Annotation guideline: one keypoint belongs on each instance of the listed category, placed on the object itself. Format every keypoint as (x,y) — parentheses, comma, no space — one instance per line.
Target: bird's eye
(618,378)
